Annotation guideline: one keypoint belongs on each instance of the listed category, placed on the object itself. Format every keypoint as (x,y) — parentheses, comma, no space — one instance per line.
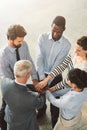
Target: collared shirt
(50,53)
(20,83)
(70,104)
(8,59)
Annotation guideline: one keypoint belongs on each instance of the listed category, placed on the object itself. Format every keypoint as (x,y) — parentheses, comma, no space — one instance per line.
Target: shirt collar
(20,83)
(50,38)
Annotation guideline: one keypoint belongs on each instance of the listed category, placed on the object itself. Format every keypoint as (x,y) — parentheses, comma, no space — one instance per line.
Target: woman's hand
(52,89)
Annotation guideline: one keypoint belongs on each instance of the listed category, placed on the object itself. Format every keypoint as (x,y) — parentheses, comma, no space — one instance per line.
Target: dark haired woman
(70,103)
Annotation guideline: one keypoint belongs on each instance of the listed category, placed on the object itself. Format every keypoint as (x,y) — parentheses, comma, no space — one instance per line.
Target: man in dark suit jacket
(21,103)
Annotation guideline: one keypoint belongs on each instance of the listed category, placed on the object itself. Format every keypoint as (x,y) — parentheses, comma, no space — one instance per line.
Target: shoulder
(44,36)
(6,84)
(6,81)
(43,39)
(24,47)
(66,40)
(31,92)
(25,44)
(71,95)
(65,43)
(4,50)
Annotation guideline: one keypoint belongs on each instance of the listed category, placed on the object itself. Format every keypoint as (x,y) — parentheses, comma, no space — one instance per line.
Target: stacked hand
(41,87)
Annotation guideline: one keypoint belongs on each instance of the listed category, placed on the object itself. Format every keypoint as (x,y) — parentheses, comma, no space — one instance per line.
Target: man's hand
(43,83)
(41,90)
(40,85)
(35,82)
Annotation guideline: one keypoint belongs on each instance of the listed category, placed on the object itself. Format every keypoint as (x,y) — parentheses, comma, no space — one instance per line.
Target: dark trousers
(3,124)
(54,110)
(54,114)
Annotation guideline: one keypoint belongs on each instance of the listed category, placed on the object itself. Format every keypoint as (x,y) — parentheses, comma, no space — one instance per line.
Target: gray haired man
(21,103)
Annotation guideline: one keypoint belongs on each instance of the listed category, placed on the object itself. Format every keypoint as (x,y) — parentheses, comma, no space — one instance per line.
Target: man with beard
(16,49)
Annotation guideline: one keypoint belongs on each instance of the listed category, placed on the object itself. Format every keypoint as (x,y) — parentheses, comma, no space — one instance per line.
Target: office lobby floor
(45,121)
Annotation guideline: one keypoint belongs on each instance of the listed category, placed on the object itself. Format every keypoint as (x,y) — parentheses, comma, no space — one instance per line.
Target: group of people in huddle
(22,102)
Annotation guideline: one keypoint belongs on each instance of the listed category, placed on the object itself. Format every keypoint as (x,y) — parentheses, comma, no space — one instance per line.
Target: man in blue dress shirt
(15,36)
(53,48)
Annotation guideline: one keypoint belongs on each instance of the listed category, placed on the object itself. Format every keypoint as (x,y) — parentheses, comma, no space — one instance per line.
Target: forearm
(45,81)
(52,99)
(61,85)
(35,82)
(59,69)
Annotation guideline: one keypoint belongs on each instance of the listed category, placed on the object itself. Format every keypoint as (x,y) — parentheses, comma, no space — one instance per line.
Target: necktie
(17,54)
